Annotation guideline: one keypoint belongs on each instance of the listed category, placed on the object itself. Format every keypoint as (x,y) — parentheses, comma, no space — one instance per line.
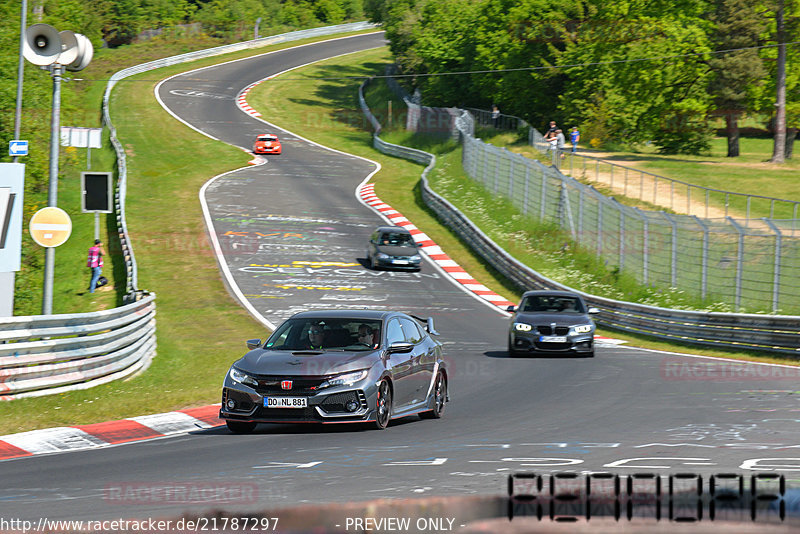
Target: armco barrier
(46,354)
(773,333)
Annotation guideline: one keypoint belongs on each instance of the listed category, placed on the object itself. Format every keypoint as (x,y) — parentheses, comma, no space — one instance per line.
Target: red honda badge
(286,384)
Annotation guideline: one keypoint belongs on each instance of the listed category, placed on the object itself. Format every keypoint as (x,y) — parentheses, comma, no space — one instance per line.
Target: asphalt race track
(294,234)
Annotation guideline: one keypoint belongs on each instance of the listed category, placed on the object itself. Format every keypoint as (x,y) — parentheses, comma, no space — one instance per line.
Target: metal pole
(739,264)
(704,260)
(776,274)
(645,246)
(52,192)
(674,250)
(20,72)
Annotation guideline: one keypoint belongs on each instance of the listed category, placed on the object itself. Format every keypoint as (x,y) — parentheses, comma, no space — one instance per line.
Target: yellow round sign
(50,227)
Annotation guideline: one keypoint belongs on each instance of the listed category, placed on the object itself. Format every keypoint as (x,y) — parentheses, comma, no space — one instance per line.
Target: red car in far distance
(267,144)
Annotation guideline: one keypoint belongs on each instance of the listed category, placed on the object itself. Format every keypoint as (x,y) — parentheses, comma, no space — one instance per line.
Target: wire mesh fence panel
(742,263)
(788,293)
(659,242)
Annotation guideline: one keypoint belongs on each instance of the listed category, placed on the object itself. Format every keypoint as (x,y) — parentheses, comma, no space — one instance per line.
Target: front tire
(383,405)
(439,398)
(240,427)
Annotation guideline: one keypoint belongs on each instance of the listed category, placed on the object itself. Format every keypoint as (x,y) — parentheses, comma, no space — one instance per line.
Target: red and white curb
(241,99)
(367,193)
(241,103)
(76,438)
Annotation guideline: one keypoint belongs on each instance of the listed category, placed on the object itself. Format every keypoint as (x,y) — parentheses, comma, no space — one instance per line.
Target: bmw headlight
(416,258)
(522,327)
(346,379)
(583,328)
(242,377)
(382,256)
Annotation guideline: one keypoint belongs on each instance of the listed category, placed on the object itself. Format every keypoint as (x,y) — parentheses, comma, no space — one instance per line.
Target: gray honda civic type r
(338,366)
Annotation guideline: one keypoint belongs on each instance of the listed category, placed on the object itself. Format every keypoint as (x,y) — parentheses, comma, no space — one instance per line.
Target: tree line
(627,71)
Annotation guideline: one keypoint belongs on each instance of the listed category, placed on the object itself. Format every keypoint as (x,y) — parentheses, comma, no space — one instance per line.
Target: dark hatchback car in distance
(338,366)
(393,247)
(551,322)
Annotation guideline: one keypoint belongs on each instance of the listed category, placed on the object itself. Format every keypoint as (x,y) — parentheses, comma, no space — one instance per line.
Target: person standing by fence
(551,131)
(495,116)
(560,142)
(574,137)
(95,263)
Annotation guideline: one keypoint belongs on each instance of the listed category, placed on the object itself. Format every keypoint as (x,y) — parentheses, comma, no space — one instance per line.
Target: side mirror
(253,344)
(400,347)
(430,328)
(593,311)
(511,308)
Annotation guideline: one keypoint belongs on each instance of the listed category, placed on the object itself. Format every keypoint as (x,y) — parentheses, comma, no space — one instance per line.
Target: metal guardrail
(48,354)
(772,333)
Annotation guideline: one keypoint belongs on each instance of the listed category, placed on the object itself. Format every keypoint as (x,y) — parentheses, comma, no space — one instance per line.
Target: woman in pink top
(95,263)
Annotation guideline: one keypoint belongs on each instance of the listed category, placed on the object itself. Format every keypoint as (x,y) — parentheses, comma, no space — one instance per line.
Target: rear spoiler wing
(428,324)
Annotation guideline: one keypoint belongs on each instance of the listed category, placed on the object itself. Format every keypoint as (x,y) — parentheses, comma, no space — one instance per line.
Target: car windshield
(552,304)
(326,334)
(395,239)
(266,138)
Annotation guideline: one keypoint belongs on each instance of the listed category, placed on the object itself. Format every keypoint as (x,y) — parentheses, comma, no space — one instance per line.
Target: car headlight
(583,328)
(382,256)
(522,327)
(416,257)
(241,377)
(347,379)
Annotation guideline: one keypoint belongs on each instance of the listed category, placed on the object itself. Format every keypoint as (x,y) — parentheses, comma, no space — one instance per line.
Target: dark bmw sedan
(342,366)
(551,322)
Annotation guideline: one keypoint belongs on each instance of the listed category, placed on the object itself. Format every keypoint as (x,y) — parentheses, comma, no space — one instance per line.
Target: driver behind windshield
(316,335)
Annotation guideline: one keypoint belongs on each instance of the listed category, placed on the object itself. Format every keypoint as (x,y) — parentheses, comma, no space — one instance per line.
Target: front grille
(553,346)
(336,402)
(304,386)
(546,330)
(287,414)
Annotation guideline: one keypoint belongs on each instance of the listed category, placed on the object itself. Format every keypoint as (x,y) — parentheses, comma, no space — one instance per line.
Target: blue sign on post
(17,147)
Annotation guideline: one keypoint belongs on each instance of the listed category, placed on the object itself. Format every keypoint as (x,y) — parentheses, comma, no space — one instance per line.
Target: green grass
(175,262)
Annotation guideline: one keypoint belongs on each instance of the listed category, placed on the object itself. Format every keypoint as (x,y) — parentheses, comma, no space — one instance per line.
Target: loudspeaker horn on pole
(85,51)
(42,44)
(69,47)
